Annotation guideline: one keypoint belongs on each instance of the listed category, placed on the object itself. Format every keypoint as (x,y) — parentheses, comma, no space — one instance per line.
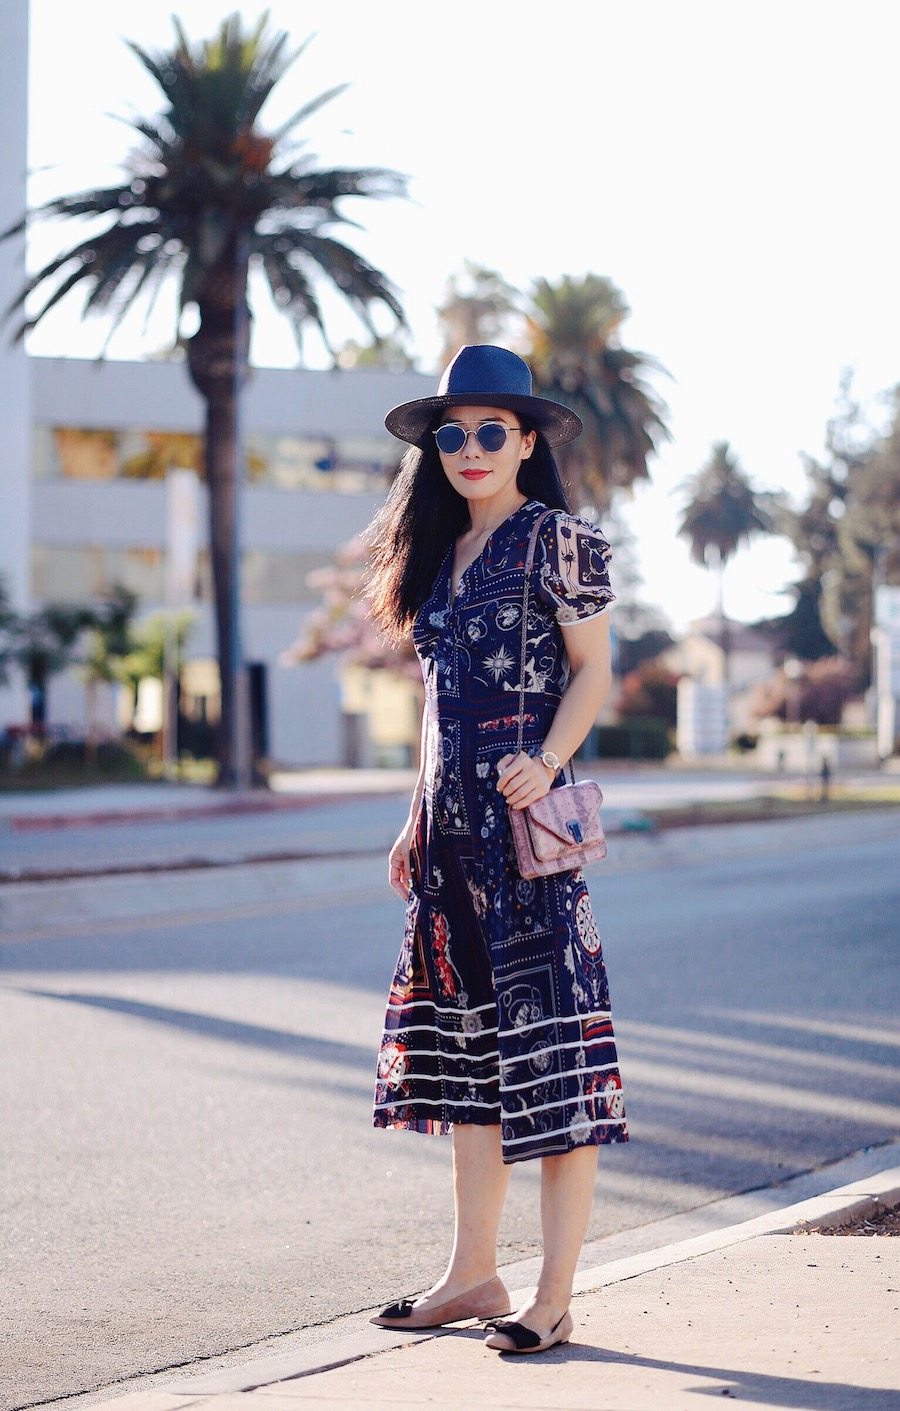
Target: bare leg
(480,1181)
(567,1193)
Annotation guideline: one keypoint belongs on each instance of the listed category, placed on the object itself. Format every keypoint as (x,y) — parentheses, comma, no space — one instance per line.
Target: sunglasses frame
(446,425)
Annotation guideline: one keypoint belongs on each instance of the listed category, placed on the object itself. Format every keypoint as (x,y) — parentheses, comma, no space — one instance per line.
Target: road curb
(177,813)
(858,1198)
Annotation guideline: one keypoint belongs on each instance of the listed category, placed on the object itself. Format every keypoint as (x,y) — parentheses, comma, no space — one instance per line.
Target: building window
(78,574)
(350,465)
(275,577)
(84,572)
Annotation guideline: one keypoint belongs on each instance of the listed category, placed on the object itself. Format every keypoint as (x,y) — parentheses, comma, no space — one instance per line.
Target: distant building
(700,657)
(102,439)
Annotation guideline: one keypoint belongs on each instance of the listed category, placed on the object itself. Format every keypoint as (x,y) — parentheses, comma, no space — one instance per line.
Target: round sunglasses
(491,437)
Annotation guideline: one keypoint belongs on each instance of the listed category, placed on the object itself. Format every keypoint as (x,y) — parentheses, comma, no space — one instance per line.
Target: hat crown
(481,369)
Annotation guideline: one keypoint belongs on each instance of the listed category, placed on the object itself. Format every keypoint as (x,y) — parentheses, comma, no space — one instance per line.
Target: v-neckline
(455,596)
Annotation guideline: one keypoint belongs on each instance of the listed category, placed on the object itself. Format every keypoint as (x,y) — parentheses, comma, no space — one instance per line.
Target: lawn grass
(793,805)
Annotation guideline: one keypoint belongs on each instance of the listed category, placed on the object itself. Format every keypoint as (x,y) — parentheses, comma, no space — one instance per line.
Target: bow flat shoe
(525,1339)
(487,1300)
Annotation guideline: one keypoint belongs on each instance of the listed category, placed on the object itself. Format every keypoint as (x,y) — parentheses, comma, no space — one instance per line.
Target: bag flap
(567,815)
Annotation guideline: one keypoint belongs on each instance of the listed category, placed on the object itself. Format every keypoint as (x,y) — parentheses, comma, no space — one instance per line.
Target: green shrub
(641,737)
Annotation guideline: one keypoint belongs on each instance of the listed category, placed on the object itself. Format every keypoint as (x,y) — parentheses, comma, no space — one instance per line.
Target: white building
(714,697)
(102,438)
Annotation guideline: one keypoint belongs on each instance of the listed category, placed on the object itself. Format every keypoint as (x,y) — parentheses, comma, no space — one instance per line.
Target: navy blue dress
(499,1007)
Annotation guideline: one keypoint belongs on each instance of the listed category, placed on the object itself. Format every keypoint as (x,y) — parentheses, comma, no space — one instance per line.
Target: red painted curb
(27,823)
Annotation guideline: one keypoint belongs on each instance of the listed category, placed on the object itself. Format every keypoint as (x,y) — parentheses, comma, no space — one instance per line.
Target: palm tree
(574,348)
(478,307)
(210,195)
(723,511)
(108,641)
(44,643)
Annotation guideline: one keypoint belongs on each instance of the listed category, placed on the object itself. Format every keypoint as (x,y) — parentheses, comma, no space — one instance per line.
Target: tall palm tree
(210,195)
(722,512)
(574,348)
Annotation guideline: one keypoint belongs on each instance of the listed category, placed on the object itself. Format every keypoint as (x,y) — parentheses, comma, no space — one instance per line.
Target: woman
(498,1025)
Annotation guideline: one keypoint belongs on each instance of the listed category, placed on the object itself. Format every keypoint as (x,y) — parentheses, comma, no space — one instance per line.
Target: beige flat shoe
(487,1300)
(517,1338)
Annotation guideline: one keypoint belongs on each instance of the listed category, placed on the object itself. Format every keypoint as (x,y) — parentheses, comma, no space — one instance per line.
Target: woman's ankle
(469,1276)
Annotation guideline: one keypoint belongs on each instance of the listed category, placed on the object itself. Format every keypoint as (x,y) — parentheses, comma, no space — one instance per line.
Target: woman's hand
(523,780)
(399,871)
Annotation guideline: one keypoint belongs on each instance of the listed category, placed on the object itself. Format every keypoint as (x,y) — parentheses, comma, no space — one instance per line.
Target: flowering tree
(342,623)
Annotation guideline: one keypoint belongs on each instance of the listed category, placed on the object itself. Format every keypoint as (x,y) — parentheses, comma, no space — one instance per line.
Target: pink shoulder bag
(561,831)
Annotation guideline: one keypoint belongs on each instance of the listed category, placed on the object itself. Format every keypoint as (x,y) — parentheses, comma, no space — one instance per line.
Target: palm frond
(98,258)
(358,281)
(152,275)
(307,110)
(293,293)
(297,186)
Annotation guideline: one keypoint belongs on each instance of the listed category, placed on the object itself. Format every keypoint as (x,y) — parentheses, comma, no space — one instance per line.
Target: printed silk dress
(499,1007)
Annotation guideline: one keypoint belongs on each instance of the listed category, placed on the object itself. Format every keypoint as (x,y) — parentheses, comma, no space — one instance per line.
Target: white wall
(15,416)
(304,701)
(160,395)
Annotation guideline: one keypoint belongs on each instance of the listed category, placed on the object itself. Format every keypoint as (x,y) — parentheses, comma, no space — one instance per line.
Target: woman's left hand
(523,780)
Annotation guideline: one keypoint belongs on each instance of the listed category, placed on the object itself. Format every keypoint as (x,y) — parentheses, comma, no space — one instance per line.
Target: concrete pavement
(753,1313)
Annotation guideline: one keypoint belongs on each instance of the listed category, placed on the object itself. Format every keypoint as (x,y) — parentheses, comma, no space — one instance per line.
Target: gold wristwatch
(551,760)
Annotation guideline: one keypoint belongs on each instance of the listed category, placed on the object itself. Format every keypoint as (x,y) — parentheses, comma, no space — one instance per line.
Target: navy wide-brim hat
(481,375)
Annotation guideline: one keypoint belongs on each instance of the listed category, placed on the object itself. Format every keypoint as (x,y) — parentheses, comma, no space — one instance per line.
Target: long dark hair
(420,519)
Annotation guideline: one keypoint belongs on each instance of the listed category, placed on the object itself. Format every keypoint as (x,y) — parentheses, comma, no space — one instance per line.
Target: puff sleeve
(572,575)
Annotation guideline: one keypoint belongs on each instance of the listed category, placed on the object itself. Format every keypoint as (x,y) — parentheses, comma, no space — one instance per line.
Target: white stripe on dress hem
(435,1102)
(445,1078)
(415,1003)
(564,1131)
(555,1048)
(439,1053)
(514,1087)
(554,1077)
(433,1029)
(555,1019)
(563,1102)
(495,1053)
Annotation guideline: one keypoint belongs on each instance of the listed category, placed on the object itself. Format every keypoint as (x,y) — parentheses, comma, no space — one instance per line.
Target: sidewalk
(626,786)
(753,1313)
(163,802)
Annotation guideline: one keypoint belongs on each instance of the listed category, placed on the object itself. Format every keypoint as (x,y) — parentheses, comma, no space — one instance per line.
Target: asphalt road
(186,1066)
(76,831)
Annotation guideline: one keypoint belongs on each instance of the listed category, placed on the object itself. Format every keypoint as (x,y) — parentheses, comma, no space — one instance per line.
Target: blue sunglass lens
(451,439)
(492,436)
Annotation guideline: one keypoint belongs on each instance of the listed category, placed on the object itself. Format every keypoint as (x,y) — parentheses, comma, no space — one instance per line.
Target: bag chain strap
(529,564)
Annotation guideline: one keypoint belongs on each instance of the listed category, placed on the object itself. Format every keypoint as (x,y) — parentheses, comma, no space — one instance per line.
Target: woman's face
(477,474)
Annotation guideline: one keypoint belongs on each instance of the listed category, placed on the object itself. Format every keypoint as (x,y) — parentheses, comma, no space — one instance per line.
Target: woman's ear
(528,444)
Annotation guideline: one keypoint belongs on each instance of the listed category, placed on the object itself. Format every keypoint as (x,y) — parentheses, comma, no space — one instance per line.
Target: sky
(730,166)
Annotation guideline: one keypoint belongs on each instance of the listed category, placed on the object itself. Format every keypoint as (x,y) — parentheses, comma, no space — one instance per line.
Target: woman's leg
(567,1193)
(480,1181)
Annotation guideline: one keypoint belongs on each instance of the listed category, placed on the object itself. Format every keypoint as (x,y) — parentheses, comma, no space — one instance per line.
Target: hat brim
(411,421)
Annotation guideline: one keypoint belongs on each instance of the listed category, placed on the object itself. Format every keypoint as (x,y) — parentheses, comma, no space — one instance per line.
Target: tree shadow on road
(211,1026)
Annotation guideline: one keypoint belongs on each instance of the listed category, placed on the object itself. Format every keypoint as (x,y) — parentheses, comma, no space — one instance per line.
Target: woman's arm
(399,874)
(588,648)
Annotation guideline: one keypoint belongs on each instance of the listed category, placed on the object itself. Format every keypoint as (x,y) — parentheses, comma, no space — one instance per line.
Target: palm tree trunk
(223,475)
(218,356)
(724,627)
